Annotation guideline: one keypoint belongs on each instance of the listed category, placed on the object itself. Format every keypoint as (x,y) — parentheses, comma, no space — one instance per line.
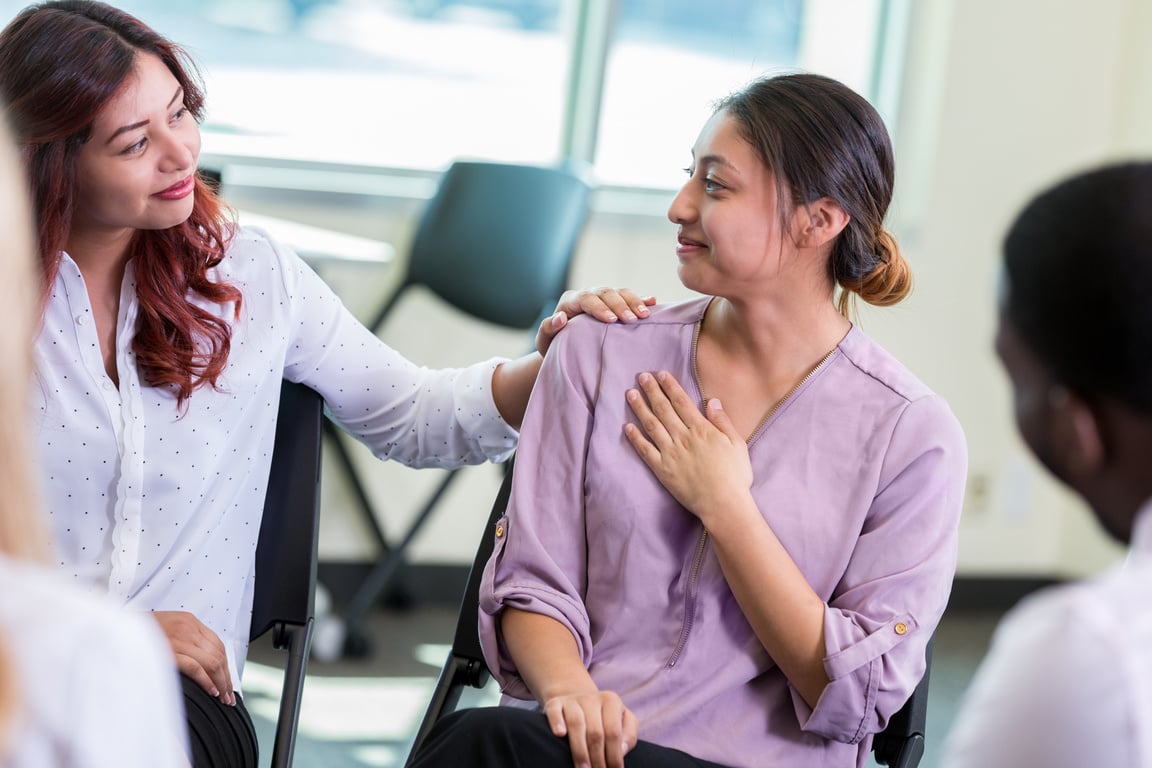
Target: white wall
(1030,91)
(1000,97)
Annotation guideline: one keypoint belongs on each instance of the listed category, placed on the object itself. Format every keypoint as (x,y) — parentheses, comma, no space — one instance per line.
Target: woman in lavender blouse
(733,526)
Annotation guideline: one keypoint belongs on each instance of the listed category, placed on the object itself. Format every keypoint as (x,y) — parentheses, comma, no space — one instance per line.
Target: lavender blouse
(860,474)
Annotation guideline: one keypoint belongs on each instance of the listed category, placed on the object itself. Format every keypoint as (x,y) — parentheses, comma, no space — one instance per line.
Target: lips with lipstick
(179,190)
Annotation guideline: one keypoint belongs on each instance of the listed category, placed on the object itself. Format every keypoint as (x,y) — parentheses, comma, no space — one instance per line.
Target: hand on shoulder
(608,305)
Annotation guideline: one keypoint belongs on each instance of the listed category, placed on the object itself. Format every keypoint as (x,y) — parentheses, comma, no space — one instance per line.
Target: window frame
(588,25)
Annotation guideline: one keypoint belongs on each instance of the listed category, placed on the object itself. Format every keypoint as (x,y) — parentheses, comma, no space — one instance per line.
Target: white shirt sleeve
(418,416)
(1050,692)
(126,702)
(97,685)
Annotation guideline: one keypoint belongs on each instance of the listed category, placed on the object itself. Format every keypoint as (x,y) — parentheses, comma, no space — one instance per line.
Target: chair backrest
(465,666)
(286,555)
(496,240)
(899,745)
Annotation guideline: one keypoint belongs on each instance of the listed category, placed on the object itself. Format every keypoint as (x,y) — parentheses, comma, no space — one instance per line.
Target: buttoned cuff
(855,665)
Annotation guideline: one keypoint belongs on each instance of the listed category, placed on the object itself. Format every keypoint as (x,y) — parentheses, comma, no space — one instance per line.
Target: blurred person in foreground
(1068,678)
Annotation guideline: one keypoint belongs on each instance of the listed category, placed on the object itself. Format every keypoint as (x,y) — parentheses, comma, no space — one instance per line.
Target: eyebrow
(133,126)
(716,160)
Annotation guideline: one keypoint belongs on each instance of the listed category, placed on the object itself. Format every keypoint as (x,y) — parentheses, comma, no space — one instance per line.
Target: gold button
(901,628)
(500,533)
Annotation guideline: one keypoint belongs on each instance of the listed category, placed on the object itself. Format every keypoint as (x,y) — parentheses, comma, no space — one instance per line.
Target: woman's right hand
(199,653)
(608,305)
(600,729)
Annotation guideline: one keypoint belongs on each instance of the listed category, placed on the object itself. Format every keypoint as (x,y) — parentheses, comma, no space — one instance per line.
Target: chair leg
(297,640)
(456,674)
(388,565)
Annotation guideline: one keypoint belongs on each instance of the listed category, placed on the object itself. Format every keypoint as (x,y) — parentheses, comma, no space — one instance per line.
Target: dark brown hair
(60,63)
(819,138)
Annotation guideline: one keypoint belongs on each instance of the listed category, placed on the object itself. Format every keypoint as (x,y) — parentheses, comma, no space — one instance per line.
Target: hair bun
(890,281)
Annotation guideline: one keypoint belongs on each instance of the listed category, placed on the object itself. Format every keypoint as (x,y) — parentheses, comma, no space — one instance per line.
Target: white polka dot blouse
(162,509)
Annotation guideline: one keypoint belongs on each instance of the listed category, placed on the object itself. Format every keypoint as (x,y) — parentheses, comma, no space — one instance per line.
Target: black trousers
(505,737)
(220,736)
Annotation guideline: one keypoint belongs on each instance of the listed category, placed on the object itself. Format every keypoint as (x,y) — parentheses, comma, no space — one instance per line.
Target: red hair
(60,63)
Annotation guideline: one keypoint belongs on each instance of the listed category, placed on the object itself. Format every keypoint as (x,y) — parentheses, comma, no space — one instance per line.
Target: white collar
(1142,530)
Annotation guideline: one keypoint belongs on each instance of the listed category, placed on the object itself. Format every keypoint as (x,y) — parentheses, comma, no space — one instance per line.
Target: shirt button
(901,628)
(81,319)
(499,531)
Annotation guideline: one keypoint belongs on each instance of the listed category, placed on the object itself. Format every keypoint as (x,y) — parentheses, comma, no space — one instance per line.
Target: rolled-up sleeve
(887,604)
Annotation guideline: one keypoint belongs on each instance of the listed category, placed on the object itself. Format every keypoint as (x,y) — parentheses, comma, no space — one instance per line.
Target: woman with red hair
(165,335)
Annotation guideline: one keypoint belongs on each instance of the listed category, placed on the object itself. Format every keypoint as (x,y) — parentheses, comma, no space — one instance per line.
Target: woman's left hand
(701,460)
(607,305)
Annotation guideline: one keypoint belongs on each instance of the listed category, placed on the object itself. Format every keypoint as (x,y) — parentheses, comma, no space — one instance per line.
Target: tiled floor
(362,713)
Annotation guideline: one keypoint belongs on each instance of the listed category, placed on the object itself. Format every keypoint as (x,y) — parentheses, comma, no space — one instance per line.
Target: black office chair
(899,745)
(285,586)
(495,241)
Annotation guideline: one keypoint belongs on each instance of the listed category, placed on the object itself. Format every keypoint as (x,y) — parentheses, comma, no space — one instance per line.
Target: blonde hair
(21,531)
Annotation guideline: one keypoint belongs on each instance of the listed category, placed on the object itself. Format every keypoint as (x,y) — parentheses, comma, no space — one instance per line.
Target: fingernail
(624,746)
(215,692)
(631,394)
(641,310)
(628,315)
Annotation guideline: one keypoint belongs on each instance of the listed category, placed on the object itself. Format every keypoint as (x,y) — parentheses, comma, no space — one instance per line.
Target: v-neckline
(777,405)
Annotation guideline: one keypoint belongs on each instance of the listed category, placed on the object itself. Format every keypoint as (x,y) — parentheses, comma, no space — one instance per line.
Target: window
(409,85)
(670,61)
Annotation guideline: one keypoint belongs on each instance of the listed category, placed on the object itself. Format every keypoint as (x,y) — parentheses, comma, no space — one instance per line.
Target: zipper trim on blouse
(689,601)
(690,594)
